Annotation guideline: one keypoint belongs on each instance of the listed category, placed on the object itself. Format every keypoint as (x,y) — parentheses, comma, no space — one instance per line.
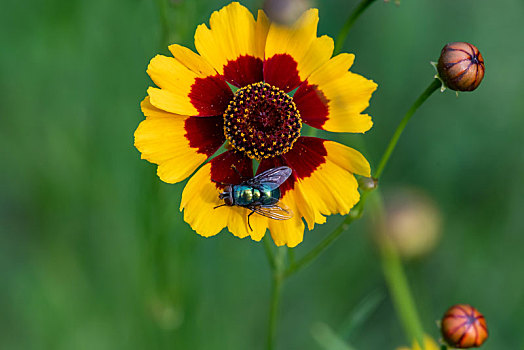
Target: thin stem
(164,21)
(435,84)
(342,35)
(269,252)
(276,288)
(400,293)
(355,214)
(396,279)
(291,256)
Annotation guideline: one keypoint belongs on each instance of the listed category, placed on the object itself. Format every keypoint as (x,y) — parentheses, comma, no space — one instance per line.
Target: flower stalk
(396,279)
(342,35)
(276,292)
(164,22)
(355,213)
(435,84)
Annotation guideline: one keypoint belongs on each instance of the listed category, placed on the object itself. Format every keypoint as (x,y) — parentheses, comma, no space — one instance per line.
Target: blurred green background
(94,253)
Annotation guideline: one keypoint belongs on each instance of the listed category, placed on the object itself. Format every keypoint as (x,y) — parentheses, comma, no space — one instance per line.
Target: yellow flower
(429,344)
(253,84)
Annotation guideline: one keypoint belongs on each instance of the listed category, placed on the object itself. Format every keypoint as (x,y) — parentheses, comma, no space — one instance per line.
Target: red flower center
(262,121)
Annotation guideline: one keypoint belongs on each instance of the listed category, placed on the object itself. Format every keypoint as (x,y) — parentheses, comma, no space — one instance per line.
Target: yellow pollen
(262,121)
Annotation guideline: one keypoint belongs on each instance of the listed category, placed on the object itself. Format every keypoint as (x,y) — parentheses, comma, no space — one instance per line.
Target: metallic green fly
(259,194)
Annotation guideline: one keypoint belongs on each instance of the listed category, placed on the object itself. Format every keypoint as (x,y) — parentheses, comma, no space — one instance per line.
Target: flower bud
(166,313)
(412,222)
(367,183)
(463,327)
(285,11)
(460,66)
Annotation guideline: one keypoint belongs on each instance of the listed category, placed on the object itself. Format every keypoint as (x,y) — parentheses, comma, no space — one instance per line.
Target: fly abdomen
(269,197)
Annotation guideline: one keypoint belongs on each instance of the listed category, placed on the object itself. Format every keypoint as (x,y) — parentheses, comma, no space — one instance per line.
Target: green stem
(342,35)
(269,252)
(355,214)
(396,279)
(435,84)
(276,288)
(401,294)
(291,256)
(162,11)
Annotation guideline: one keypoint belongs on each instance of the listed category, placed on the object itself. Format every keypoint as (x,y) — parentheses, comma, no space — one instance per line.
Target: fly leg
(242,177)
(218,182)
(252,211)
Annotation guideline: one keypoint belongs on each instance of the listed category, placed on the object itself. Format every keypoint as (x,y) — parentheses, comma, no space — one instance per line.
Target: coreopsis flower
(251,87)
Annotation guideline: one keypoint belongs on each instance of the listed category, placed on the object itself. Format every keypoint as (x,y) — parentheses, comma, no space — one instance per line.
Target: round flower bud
(463,327)
(286,11)
(367,183)
(412,222)
(461,66)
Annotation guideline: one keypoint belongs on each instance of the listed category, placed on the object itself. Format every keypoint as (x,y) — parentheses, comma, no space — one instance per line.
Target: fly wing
(273,212)
(271,178)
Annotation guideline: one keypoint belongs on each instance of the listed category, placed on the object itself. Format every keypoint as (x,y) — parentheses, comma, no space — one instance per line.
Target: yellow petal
(347,158)
(333,98)
(178,144)
(161,141)
(170,102)
(331,188)
(261,30)
(192,61)
(184,86)
(151,111)
(233,33)
(288,232)
(199,199)
(300,42)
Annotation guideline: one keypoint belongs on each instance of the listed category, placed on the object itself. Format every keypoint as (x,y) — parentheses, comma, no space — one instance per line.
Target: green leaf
(328,339)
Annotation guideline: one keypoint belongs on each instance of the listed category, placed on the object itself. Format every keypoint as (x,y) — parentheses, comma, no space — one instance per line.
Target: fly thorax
(243,195)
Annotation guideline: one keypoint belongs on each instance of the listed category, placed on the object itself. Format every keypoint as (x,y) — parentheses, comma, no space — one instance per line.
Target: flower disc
(262,121)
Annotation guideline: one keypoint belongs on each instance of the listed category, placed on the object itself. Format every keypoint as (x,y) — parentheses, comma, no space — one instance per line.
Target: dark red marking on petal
(222,171)
(281,71)
(206,134)
(307,154)
(243,71)
(210,95)
(312,105)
